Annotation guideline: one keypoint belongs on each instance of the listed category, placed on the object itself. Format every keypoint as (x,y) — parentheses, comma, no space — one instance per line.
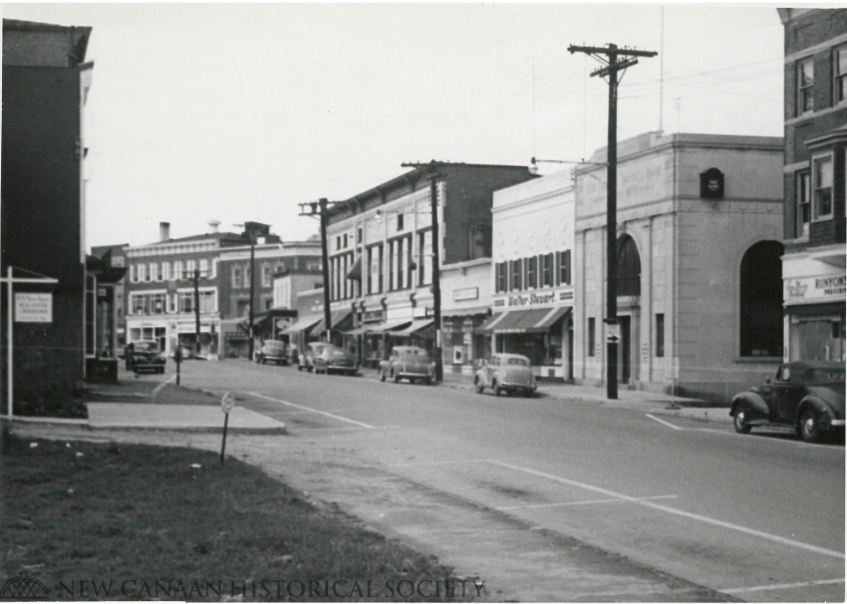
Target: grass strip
(102,521)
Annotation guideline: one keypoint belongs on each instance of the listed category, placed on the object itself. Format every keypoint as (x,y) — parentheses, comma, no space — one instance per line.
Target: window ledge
(757,360)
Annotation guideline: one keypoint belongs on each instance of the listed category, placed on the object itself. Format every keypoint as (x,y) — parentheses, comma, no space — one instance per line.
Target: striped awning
(382,327)
(532,320)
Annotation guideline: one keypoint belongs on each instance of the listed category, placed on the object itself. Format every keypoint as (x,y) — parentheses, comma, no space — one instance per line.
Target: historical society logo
(24,588)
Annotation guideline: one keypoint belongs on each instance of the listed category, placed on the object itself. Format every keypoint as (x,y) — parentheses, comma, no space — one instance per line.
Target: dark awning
(302,323)
(337,317)
(815,310)
(414,326)
(532,320)
(378,328)
(355,271)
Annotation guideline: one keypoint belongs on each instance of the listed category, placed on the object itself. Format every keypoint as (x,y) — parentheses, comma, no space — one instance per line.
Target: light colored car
(509,373)
(333,359)
(306,358)
(408,363)
(273,351)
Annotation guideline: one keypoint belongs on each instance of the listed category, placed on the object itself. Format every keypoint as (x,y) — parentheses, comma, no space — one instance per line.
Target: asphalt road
(757,517)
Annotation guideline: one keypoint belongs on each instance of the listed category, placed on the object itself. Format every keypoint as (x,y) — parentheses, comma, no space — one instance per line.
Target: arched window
(761,300)
(629,267)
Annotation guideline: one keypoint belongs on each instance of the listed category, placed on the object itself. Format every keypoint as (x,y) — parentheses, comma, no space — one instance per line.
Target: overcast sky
(238,111)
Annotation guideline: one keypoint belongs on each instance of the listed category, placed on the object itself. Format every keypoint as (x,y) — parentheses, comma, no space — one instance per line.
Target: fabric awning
(380,327)
(415,325)
(532,320)
(355,271)
(336,317)
(302,323)
(234,326)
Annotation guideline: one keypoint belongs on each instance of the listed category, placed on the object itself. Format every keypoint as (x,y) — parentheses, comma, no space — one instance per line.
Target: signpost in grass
(227,403)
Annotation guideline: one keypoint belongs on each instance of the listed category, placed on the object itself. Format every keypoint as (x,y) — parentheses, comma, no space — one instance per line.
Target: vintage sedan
(333,359)
(808,396)
(509,373)
(145,355)
(408,363)
(306,358)
(273,351)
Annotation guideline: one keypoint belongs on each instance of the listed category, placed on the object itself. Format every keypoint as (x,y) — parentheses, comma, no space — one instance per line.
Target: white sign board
(613,333)
(33,308)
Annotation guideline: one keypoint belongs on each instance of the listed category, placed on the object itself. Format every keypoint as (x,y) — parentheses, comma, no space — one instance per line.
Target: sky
(239,112)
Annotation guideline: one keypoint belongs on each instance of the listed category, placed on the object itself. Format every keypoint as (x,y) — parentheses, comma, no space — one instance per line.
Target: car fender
(752,400)
(829,396)
(823,408)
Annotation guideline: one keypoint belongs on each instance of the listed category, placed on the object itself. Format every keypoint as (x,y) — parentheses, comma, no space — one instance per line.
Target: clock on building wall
(711,184)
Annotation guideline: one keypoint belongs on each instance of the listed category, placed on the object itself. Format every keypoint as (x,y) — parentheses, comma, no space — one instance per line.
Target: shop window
(399,222)
(805,86)
(629,268)
(547,269)
(839,68)
(822,182)
(803,196)
(660,334)
(761,300)
(591,336)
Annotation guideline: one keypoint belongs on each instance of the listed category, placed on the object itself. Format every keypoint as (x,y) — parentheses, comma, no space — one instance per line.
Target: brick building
(815,137)
(46,80)
(162,296)
(296,262)
(380,250)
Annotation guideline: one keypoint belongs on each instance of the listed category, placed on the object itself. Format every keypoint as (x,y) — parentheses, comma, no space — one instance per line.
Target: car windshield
(146,347)
(517,362)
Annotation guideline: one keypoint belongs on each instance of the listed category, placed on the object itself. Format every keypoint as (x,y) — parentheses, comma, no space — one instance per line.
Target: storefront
(371,341)
(544,335)
(814,308)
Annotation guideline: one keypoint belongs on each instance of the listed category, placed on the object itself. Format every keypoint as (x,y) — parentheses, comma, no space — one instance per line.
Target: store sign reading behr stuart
(533,299)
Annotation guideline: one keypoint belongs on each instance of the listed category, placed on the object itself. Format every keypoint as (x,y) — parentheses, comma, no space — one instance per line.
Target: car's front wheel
(396,378)
(739,420)
(497,389)
(810,428)
(478,384)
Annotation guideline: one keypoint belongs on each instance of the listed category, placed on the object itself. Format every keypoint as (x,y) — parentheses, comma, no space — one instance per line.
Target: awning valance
(532,320)
(416,325)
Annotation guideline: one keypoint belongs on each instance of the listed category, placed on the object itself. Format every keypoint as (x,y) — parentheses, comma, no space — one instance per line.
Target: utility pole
(612,68)
(251,231)
(436,265)
(197,312)
(319,209)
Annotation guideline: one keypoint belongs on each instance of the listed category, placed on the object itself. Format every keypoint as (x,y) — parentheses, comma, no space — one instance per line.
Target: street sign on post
(227,403)
(613,333)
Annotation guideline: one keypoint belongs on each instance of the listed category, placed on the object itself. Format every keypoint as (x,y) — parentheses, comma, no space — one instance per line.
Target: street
(757,517)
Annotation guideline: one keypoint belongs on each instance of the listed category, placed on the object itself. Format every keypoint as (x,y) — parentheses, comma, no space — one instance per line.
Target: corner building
(699,223)
(815,165)
(380,258)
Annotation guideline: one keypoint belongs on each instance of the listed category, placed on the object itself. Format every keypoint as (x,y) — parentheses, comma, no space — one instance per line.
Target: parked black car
(145,356)
(806,395)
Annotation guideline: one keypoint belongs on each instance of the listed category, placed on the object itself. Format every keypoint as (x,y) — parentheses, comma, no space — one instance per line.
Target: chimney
(164,231)
(213,225)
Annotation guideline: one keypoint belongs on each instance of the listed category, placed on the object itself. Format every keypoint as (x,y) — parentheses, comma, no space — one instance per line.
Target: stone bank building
(699,270)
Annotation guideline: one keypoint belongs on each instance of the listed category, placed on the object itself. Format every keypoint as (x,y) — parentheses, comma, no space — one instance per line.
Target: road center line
(338,417)
(585,502)
(661,421)
(744,590)
(663,508)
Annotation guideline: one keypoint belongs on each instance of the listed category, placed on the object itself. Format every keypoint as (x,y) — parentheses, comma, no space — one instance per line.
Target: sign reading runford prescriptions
(33,308)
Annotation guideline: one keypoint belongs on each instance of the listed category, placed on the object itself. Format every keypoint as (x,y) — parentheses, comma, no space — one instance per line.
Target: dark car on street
(145,355)
(408,363)
(273,351)
(805,395)
(333,359)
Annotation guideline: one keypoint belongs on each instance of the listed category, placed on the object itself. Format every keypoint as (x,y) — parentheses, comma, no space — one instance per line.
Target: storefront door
(624,350)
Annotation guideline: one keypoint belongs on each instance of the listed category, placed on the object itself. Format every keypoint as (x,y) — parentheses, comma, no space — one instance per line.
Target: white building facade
(532,274)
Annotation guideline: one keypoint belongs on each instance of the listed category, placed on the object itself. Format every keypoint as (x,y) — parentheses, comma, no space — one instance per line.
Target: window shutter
(556,269)
(566,260)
